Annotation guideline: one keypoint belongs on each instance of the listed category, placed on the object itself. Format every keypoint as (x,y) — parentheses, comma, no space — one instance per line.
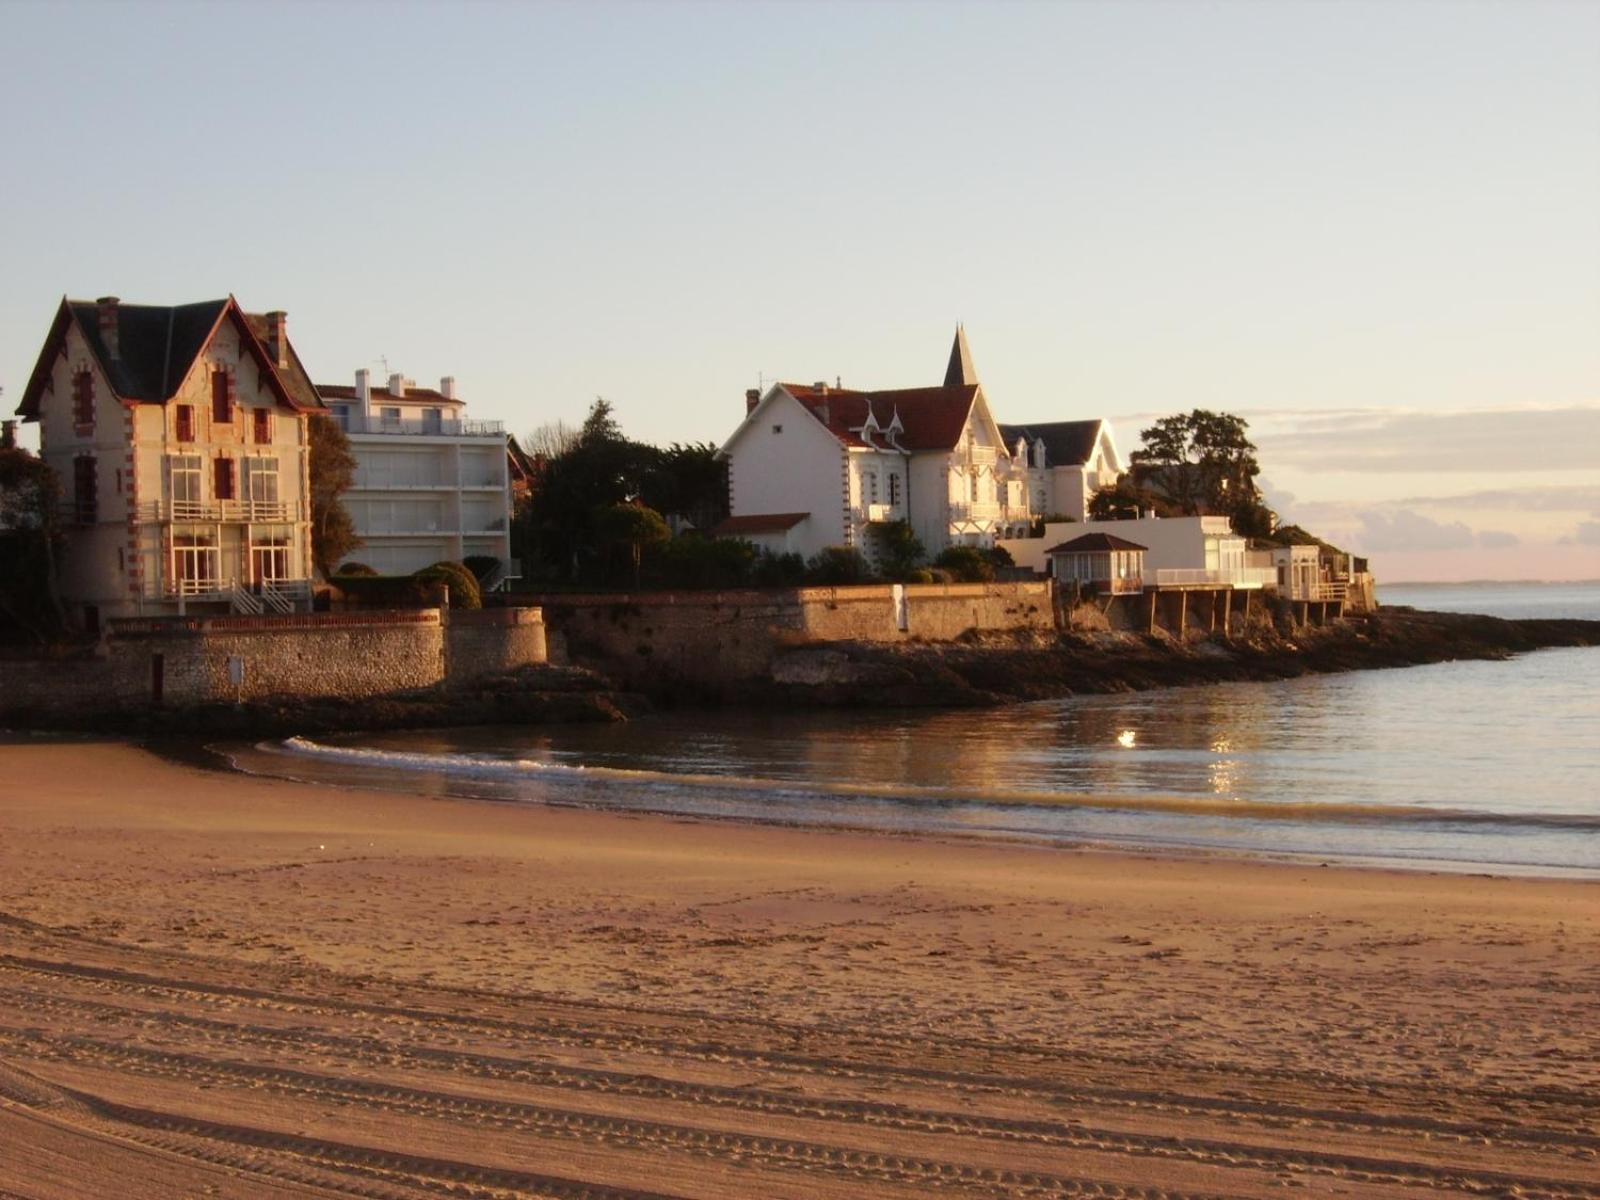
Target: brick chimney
(106,313)
(278,338)
(752,397)
(8,435)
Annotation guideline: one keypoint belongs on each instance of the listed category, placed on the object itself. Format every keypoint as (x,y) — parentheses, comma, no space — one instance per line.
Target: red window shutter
(263,420)
(223,479)
(185,422)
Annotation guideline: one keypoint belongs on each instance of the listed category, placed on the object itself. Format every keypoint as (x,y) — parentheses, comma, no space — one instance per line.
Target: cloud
(1377,442)
(1407,530)
(1577,498)
(1497,539)
(1587,534)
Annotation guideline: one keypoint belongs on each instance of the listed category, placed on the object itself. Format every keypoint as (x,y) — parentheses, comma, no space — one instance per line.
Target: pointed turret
(960,372)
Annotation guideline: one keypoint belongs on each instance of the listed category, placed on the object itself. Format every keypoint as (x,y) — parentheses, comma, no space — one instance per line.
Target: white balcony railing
(883,512)
(219,510)
(423,428)
(1239,577)
(981,456)
(969,510)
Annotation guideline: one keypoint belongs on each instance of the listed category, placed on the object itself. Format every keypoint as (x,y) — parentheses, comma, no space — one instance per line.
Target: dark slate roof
(930,418)
(759,523)
(157,344)
(1091,543)
(960,372)
(1066,443)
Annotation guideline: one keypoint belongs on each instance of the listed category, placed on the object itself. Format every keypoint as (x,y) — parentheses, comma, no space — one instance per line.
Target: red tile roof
(931,418)
(759,523)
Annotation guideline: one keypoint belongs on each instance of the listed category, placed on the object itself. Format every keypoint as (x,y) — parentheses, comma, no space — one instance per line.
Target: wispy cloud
(1554,439)
(1576,498)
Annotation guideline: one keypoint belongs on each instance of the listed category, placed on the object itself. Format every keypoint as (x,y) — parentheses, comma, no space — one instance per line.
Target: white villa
(1179,551)
(1064,463)
(179,435)
(815,466)
(431,484)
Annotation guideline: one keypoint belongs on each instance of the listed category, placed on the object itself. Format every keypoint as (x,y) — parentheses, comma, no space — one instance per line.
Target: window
(262,479)
(390,417)
(973,480)
(194,562)
(84,490)
(222,479)
(83,402)
(872,487)
(261,419)
(777,429)
(186,422)
(432,420)
(341,414)
(269,558)
(183,475)
(894,487)
(221,398)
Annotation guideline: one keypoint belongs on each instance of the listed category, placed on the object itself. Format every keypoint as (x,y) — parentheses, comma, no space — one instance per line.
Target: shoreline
(212,757)
(293,984)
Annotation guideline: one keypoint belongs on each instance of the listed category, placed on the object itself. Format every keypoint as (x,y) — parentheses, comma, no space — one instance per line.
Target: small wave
(488,767)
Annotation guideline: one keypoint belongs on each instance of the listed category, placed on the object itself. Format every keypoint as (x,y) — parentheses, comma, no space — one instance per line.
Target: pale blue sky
(1275,208)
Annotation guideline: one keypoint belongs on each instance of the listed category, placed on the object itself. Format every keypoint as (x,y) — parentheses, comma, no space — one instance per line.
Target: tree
(836,566)
(29,536)
(550,440)
(1201,462)
(462,583)
(632,526)
(967,563)
(332,468)
(687,481)
(900,551)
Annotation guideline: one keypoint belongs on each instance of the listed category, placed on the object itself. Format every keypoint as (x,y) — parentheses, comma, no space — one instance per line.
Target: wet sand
(224,986)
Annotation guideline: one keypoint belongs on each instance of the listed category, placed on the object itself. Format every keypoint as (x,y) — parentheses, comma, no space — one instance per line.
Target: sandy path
(216,985)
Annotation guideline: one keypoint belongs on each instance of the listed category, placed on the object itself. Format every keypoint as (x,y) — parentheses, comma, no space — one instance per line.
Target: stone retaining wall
(207,660)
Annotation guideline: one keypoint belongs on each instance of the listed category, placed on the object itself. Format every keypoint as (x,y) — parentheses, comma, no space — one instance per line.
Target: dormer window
(221,398)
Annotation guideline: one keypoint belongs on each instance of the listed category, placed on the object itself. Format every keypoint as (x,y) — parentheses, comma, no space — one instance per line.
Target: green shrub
(691,561)
(920,575)
(383,591)
(836,566)
(354,569)
(463,585)
(967,564)
(779,570)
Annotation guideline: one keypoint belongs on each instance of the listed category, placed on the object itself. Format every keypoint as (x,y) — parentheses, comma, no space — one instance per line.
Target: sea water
(1462,765)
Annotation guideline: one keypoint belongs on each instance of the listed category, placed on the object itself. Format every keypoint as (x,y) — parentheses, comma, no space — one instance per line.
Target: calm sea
(1466,765)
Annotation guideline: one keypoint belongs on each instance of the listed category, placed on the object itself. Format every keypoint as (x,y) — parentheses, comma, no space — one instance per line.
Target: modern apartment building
(431,484)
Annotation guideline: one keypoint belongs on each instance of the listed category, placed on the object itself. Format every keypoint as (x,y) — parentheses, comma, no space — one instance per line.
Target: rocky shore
(992,669)
(543,695)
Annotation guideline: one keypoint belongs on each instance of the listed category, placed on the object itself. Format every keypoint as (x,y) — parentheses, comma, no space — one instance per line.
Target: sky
(1373,230)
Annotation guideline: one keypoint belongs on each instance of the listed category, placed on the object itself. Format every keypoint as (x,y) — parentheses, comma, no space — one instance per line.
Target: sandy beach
(216,985)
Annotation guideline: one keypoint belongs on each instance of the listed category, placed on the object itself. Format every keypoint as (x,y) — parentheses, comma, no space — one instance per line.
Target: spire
(960,372)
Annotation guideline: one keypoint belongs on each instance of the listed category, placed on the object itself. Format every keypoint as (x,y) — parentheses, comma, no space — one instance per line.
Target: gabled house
(179,436)
(817,465)
(431,483)
(1065,463)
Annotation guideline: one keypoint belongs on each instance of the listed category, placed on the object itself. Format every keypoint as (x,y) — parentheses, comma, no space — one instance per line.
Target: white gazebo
(1099,562)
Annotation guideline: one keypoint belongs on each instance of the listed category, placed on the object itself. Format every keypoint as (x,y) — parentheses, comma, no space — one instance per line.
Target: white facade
(1179,550)
(195,497)
(1064,464)
(431,485)
(848,461)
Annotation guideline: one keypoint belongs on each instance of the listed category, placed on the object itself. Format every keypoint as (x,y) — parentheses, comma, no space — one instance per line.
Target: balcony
(1236,577)
(883,512)
(464,428)
(974,510)
(219,510)
(981,456)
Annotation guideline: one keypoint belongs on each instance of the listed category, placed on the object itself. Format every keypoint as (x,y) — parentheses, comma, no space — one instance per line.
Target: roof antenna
(384,359)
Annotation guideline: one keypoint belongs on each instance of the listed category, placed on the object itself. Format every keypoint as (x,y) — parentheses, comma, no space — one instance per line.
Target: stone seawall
(193,661)
(708,644)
